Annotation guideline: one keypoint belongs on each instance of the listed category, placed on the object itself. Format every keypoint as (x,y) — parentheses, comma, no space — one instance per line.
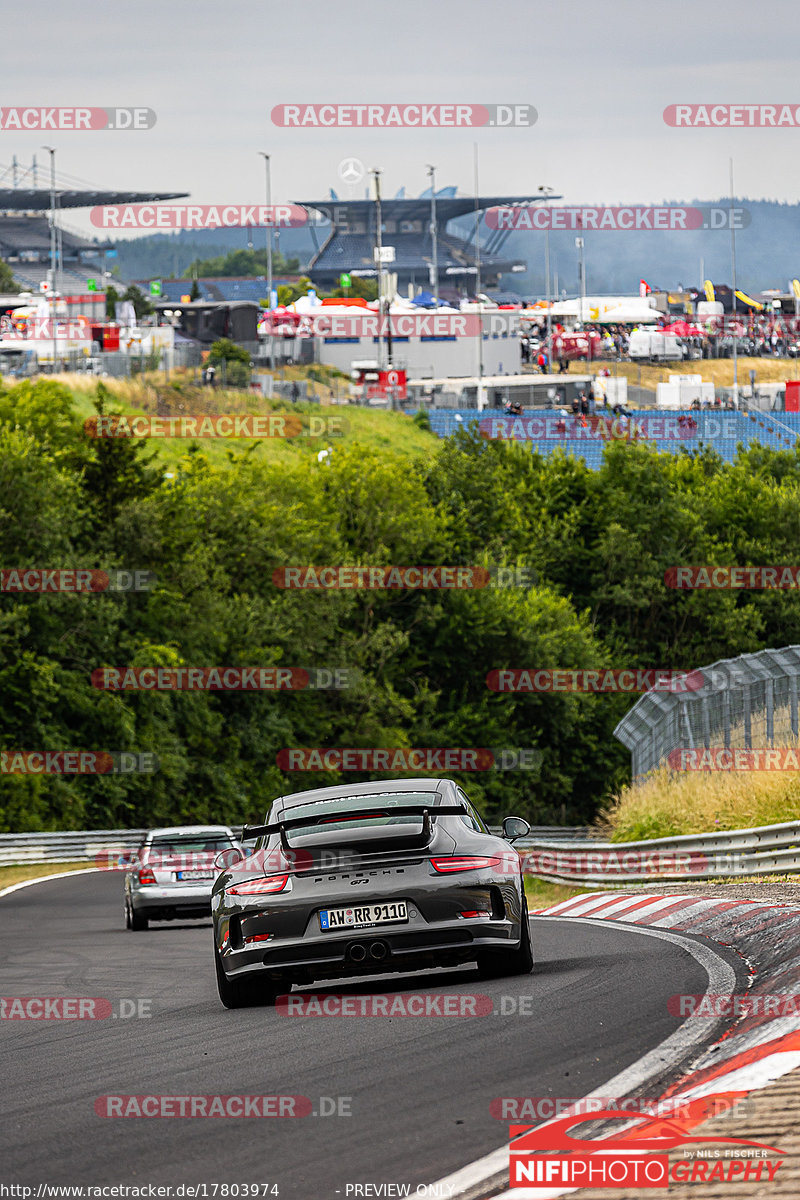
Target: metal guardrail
(88,845)
(82,846)
(765,850)
(560,854)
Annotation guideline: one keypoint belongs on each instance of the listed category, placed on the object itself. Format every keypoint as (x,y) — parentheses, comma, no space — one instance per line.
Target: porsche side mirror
(228,858)
(515,827)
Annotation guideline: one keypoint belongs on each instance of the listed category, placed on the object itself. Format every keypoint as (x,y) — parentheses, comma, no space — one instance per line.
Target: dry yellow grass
(542,894)
(717,370)
(137,386)
(369,427)
(22,871)
(666,803)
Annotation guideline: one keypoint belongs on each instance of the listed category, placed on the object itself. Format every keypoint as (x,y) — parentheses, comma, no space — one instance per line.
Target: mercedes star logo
(351,170)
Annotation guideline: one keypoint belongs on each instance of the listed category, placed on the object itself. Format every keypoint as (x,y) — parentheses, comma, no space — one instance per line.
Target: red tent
(684,329)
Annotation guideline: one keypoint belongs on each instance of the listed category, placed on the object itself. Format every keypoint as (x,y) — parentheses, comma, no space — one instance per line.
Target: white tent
(606,309)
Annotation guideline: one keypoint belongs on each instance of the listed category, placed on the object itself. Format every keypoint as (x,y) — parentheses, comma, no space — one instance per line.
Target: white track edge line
(721,980)
(15,887)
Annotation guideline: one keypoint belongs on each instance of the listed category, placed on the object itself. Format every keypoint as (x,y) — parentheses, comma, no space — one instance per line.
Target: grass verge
(20,872)
(373,428)
(542,894)
(667,803)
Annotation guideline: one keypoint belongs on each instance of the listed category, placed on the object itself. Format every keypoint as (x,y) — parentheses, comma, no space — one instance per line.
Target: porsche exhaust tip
(357,953)
(378,950)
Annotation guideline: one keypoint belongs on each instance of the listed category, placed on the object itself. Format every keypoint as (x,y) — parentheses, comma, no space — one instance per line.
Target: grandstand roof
(38,199)
(418,208)
(350,240)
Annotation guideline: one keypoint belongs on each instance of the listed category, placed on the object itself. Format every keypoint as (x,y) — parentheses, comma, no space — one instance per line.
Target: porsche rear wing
(426,811)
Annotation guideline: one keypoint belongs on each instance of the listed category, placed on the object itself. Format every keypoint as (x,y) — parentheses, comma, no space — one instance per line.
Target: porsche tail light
(463,862)
(259,887)
(146,875)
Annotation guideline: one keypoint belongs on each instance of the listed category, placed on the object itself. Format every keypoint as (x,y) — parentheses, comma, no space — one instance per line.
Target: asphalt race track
(419,1087)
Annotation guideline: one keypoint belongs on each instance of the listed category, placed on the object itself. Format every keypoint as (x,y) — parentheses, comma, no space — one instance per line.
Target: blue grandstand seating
(721,429)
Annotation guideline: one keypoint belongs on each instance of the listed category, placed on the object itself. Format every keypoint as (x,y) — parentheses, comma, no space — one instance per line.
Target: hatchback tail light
(259,887)
(463,862)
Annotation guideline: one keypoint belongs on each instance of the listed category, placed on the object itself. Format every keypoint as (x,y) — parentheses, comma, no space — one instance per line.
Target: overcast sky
(599,77)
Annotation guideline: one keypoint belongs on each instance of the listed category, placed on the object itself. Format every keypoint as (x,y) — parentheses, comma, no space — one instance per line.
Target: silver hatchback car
(173,873)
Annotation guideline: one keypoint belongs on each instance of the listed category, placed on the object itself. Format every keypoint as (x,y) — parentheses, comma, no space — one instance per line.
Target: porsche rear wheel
(495,964)
(250,992)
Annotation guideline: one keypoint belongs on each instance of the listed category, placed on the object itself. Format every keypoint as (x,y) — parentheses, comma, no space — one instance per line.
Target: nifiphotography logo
(637,1156)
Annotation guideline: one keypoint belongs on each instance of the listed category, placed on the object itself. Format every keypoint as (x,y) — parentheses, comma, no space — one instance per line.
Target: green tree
(243,264)
(288,293)
(8,284)
(235,362)
(117,470)
(112,296)
(141,305)
(365,289)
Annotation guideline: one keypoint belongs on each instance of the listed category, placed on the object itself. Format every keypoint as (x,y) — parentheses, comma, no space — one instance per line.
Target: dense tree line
(599,543)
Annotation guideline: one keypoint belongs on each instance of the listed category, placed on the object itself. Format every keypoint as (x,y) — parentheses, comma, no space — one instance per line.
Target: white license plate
(194,875)
(363,915)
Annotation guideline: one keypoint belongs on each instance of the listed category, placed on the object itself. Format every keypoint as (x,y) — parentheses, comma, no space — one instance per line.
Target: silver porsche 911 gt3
(368,878)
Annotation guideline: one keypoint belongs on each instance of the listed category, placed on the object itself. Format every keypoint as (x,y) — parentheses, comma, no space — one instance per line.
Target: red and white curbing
(756,1050)
(760,1047)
